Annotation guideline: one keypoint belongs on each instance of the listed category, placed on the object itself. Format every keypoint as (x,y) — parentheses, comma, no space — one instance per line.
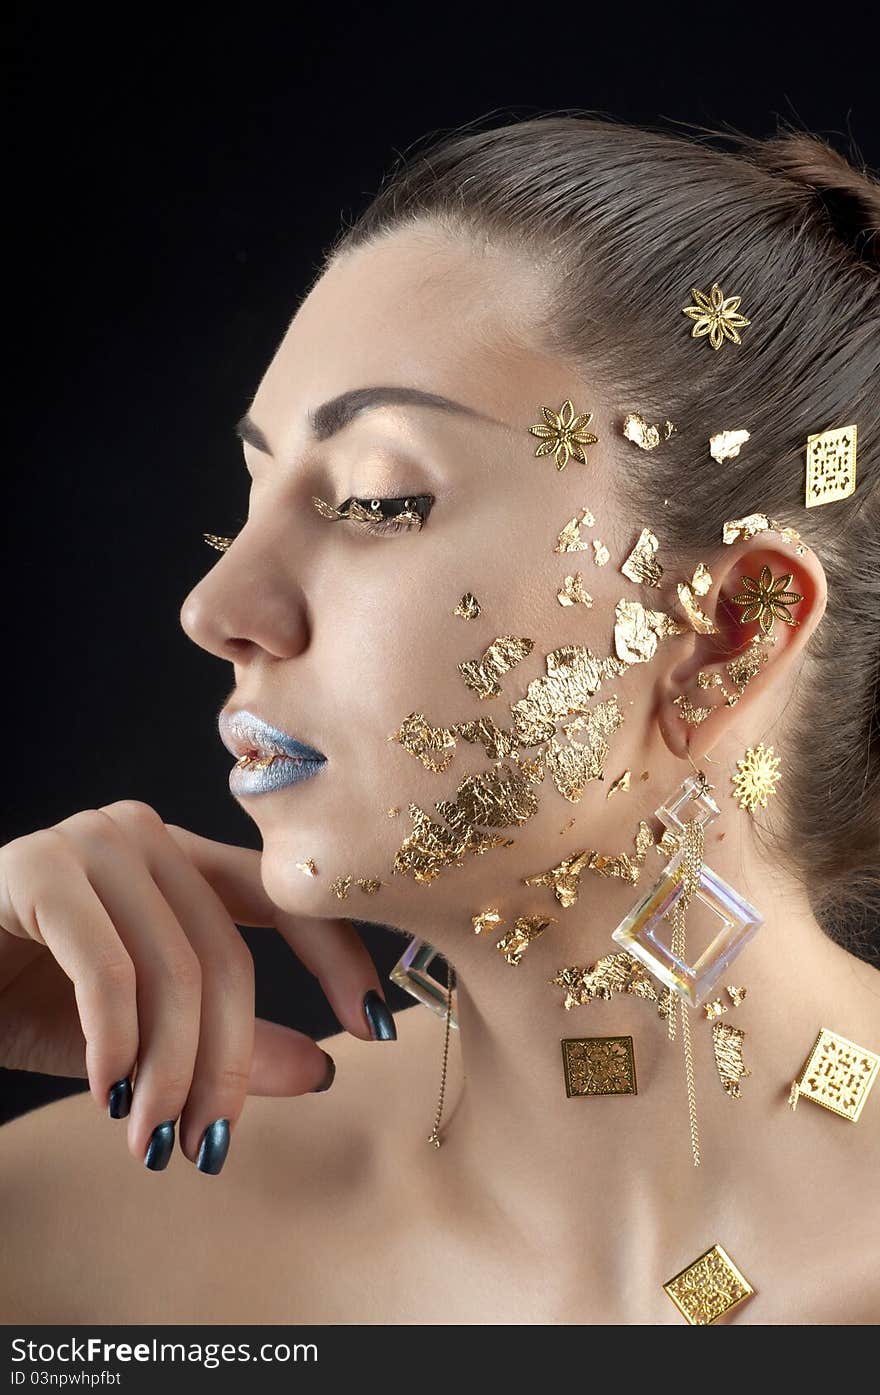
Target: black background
(174,176)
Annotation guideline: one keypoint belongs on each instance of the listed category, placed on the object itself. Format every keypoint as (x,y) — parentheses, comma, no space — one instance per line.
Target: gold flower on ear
(565,434)
(716,316)
(765,599)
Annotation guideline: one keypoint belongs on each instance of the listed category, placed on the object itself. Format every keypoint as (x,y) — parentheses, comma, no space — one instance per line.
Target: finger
(168,976)
(285,1061)
(233,872)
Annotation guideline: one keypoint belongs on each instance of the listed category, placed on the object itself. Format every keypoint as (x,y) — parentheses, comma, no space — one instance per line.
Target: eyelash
(411,504)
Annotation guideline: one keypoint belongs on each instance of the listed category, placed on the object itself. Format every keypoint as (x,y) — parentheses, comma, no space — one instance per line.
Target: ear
(741,661)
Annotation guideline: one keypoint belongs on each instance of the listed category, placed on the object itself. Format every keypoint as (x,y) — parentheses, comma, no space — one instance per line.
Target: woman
(508,604)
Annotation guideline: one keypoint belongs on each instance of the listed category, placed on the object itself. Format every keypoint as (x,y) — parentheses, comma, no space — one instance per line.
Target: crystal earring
(411,973)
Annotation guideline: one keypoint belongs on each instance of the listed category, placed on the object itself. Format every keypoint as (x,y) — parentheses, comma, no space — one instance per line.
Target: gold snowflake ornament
(756,777)
(715,315)
(565,434)
(766,599)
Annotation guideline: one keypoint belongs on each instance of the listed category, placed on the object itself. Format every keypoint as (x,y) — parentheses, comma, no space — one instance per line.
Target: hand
(120,953)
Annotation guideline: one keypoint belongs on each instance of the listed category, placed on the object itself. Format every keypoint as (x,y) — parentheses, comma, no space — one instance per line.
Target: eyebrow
(336,413)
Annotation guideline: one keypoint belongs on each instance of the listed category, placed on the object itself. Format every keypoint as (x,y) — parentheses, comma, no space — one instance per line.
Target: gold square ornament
(599,1066)
(709,1288)
(831,465)
(837,1074)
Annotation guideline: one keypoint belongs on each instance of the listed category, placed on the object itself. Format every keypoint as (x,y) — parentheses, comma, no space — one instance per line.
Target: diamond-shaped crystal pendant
(411,973)
(647,931)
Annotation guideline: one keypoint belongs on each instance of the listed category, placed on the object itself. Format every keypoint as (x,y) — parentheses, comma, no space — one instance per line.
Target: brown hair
(627,220)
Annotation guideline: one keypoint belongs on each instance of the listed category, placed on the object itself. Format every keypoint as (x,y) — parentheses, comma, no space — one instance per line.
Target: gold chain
(434,1136)
(692,863)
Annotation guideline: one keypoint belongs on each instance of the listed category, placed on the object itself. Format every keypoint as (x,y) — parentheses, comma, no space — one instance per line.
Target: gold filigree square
(831,465)
(838,1074)
(599,1066)
(709,1288)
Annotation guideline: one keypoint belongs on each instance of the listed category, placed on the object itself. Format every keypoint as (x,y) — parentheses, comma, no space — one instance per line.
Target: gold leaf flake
(725,445)
(641,566)
(308,867)
(701,581)
(736,994)
(569,539)
(736,529)
(573,763)
(573,591)
(369,885)
(526,928)
(496,742)
(714,1009)
(481,675)
(689,713)
(533,769)
(645,775)
(637,630)
(393,811)
(621,784)
(564,878)
(468,607)
(613,973)
(699,621)
(601,555)
(430,847)
(727,1044)
(637,430)
(494,798)
(340,887)
(573,676)
(433,746)
(485,920)
(219,543)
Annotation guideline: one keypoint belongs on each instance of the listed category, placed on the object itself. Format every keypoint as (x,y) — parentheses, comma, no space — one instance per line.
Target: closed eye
(384,515)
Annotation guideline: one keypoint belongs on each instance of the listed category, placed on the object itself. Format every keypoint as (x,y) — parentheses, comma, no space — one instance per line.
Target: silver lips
(268,758)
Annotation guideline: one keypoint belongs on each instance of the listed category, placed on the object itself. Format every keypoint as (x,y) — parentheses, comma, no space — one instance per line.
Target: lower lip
(287,770)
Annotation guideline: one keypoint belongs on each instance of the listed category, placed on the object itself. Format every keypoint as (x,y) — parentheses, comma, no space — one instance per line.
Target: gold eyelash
(367,519)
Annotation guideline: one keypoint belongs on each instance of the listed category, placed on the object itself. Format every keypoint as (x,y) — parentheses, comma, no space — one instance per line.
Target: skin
(537,1208)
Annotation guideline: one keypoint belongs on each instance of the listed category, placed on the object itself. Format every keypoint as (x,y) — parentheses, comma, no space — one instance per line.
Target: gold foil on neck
(725,445)
(468,607)
(493,798)
(430,847)
(496,742)
(735,994)
(714,1009)
(573,592)
(433,746)
(646,437)
(308,867)
(727,1044)
(637,630)
(481,675)
(569,539)
(641,566)
(601,555)
(526,928)
(698,619)
(369,885)
(564,878)
(621,784)
(486,920)
(614,973)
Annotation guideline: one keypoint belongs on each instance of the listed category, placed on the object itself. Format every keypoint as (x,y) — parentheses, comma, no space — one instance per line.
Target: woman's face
(337,636)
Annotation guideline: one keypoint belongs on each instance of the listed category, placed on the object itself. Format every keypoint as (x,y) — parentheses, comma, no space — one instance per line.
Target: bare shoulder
(90,1234)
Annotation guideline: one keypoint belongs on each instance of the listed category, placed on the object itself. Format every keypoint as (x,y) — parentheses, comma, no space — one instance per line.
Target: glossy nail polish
(160,1147)
(329,1076)
(214,1147)
(119,1099)
(379,1019)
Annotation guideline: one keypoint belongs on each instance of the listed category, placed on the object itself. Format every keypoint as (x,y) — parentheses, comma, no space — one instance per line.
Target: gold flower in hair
(565,434)
(765,599)
(716,316)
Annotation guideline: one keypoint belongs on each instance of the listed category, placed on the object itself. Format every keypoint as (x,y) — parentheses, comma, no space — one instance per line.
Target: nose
(247,601)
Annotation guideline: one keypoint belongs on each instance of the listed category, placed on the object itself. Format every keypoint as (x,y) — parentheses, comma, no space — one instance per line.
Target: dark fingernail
(379,1019)
(161,1146)
(329,1075)
(214,1147)
(119,1099)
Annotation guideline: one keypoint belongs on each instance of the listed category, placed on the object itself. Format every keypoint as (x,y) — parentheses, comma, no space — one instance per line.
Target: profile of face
(339,635)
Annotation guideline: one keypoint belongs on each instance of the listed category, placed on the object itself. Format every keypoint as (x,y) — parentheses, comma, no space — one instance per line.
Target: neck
(512,1136)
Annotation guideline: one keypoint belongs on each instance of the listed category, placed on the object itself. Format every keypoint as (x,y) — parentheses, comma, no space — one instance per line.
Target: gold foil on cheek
(393,811)
(433,746)
(369,885)
(725,445)
(340,887)
(698,619)
(493,798)
(621,784)
(564,879)
(573,592)
(481,675)
(569,539)
(641,566)
(573,676)
(468,607)
(485,920)
(430,847)
(308,867)
(533,769)
(526,928)
(646,437)
(573,764)
(601,555)
(496,742)
(637,630)
(727,1044)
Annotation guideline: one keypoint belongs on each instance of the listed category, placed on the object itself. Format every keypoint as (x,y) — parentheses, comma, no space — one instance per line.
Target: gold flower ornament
(564,433)
(764,599)
(715,315)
